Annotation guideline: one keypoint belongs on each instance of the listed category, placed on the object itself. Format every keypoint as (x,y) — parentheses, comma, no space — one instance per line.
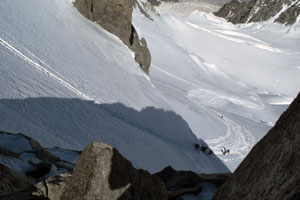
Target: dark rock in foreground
(100,173)
(180,183)
(272,168)
(103,173)
(49,189)
(116,17)
(260,10)
(29,159)
(11,182)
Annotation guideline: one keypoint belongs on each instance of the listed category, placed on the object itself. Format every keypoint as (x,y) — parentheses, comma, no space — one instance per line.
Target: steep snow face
(71,56)
(229,82)
(58,69)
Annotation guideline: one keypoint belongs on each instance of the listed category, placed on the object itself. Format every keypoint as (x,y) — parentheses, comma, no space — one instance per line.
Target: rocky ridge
(282,11)
(180,183)
(101,172)
(272,168)
(27,157)
(116,17)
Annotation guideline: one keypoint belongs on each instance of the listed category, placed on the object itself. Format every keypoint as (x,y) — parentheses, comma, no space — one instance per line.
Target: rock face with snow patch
(116,17)
(272,168)
(27,157)
(103,173)
(283,11)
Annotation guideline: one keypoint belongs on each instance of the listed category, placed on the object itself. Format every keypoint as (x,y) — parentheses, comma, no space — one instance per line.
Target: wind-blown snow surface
(57,71)
(229,83)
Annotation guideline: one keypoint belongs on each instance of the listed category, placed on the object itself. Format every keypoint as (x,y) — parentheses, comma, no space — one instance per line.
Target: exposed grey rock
(52,188)
(290,15)
(260,10)
(103,173)
(116,17)
(272,168)
(11,181)
(49,189)
(179,183)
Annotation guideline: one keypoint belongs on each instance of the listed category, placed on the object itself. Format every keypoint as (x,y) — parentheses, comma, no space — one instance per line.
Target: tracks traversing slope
(237,139)
(39,67)
(62,81)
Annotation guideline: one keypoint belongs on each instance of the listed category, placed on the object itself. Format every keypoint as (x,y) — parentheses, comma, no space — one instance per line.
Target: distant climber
(196,146)
(225,151)
(203,148)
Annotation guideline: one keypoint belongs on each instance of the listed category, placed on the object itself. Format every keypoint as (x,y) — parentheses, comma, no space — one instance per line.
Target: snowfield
(66,82)
(229,82)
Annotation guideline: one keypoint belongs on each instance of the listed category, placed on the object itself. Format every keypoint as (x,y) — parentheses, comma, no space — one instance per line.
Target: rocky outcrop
(49,189)
(103,173)
(27,157)
(290,15)
(180,183)
(272,168)
(116,17)
(11,182)
(260,10)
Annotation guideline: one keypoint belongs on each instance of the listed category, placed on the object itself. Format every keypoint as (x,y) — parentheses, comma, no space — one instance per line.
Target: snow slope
(61,79)
(229,82)
(65,81)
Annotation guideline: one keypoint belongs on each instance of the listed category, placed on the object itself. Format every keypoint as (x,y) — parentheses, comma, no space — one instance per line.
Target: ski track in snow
(129,122)
(45,71)
(237,139)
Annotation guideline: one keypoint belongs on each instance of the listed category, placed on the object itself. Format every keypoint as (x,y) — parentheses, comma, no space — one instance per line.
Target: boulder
(272,169)
(116,17)
(103,173)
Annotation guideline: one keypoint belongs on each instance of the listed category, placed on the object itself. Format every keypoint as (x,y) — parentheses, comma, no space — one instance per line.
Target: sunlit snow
(61,75)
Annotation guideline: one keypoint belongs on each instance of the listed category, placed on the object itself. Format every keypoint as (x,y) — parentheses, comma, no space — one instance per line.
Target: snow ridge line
(45,71)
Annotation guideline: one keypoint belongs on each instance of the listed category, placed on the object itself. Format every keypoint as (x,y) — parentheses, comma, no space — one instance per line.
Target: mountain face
(66,81)
(116,17)
(282,11)
(272,168)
